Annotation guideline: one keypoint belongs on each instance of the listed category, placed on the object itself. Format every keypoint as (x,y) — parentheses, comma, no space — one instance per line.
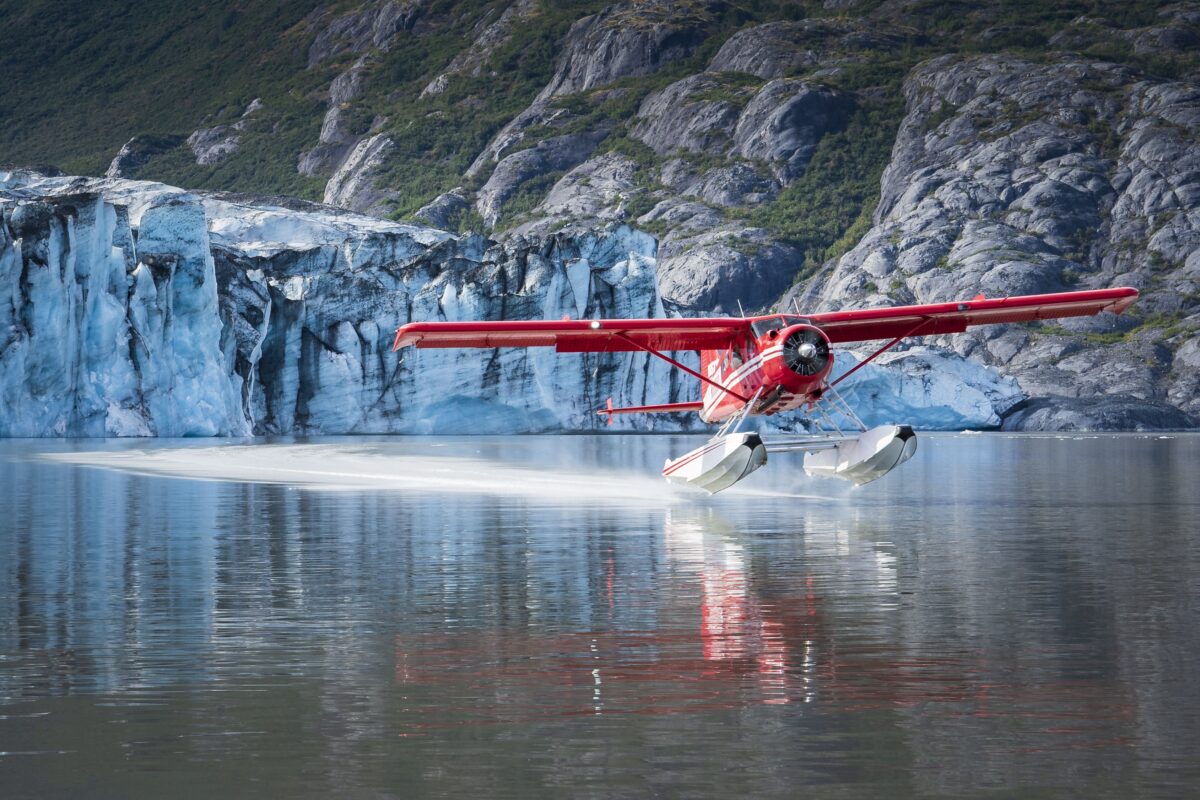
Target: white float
(720,463)
(725,460)
(867,457)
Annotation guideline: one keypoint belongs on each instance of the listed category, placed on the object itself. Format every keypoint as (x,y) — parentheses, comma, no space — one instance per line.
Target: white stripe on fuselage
(714,395)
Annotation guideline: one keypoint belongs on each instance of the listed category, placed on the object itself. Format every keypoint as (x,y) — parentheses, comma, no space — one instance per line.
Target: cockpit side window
(765,326)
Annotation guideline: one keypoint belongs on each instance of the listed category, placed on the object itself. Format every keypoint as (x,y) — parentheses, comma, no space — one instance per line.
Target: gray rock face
(353,186)
(624,41)
(212,145)
(137,151)
(490,33)
(778,49)
(1177,33)
(733,186)
(1010,178)
(336,139)
(711,264)
(550,155)
(680,118)
(718,269)
(785,121)
(779,123)
(1183,385)
(441,212)
(371,25)
(512,133)
(707,263)
(595,190)
(1096,414)
(683,216)
(768,51)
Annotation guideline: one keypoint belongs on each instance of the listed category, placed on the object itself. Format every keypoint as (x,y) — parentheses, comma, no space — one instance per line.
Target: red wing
(578,335)
(889,323)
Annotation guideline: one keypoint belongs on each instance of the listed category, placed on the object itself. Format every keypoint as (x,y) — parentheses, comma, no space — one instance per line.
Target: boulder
(443,210)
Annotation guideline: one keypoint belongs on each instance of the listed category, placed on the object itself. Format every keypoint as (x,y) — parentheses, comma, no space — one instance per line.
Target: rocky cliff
(137,309)
(1013,177)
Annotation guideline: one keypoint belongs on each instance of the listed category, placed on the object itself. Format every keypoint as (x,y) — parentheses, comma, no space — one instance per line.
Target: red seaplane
(766,365)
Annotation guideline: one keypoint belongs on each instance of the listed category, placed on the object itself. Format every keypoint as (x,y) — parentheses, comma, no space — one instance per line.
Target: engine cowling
(804,357)
(805,350)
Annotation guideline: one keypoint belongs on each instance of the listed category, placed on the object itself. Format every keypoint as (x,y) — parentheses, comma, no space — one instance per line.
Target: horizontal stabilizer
(664,408)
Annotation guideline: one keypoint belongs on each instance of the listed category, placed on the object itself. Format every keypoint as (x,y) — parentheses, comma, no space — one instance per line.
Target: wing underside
(578,336)
(938,318)
(718,333)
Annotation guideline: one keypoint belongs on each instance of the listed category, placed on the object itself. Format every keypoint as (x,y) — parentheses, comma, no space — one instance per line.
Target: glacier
(132,308)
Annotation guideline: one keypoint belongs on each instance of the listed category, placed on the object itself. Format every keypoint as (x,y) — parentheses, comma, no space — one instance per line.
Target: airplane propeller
(805,352)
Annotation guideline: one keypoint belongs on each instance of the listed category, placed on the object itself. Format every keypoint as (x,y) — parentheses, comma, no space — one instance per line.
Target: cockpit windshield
(765,326)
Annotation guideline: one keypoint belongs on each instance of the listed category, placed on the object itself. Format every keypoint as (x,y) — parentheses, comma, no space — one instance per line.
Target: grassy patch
(827,210)
(525,199)
(941,114)
(1168,326)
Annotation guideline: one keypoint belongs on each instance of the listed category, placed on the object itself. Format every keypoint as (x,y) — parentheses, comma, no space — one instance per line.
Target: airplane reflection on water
(777,639)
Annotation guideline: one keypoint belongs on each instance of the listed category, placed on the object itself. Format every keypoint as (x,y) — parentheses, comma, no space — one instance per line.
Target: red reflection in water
(752,642)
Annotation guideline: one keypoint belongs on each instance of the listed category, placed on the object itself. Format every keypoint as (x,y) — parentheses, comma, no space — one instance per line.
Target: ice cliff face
(137,309)
(111,318)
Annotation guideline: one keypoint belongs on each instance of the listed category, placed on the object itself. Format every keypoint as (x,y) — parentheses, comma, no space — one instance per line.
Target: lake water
(544,617)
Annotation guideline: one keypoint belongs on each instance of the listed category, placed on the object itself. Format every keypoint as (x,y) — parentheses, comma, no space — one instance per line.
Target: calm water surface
(542,616)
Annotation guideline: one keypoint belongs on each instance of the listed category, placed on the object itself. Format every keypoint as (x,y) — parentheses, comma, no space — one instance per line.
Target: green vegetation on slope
(437,137)
(81,78)
(829,208)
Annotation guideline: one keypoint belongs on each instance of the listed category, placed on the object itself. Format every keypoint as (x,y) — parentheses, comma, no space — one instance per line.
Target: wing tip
(404,338)
(1127,296)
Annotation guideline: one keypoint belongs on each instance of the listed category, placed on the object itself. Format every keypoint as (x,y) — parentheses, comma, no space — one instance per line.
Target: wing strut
(683,367)
(882,350)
